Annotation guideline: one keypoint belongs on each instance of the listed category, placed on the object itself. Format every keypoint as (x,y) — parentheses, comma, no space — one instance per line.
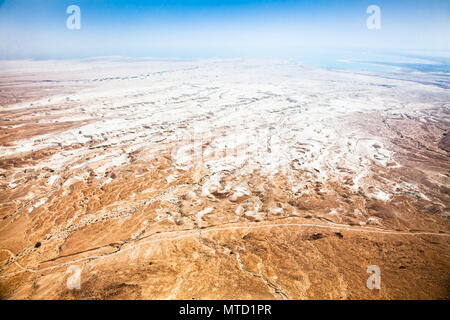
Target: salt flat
(243,179)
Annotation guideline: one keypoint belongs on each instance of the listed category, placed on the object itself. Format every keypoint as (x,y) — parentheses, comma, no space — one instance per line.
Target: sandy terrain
(215,179)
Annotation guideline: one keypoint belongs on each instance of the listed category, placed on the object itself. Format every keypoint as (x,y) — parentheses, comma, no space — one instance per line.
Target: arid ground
(221,179)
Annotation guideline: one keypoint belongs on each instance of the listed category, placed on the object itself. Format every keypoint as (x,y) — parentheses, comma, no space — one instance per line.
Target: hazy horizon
(218,29)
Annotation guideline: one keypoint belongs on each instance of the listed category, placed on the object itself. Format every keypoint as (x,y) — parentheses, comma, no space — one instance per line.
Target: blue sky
(239,28)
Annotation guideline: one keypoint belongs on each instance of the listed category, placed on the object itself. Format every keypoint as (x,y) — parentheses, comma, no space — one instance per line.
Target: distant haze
(284,29)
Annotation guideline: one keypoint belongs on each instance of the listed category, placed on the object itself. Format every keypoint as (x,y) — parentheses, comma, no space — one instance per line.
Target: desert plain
(222,179)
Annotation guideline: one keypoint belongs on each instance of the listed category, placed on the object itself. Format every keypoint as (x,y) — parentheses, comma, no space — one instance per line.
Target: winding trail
(187,233)
(16,262)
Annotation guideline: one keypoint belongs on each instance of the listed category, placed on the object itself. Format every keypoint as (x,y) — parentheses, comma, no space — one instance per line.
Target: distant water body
(381,62)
